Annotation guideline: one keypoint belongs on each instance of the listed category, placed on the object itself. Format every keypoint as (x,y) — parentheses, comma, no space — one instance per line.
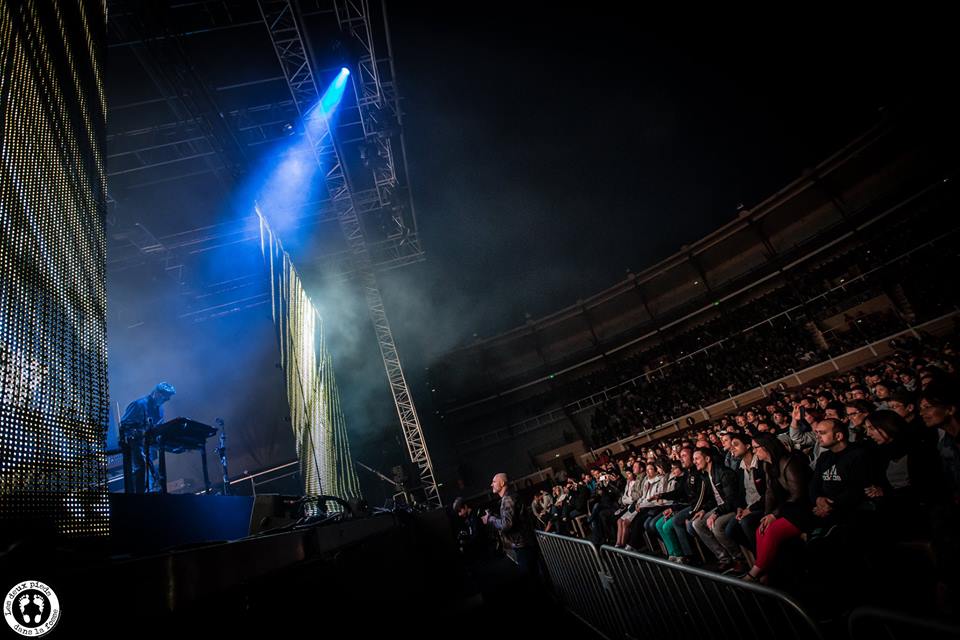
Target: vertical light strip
(53,356)
(318,423)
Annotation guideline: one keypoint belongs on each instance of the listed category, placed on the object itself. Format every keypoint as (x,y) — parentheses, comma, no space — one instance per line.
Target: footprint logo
(38,603)
(31,608)
(23,602)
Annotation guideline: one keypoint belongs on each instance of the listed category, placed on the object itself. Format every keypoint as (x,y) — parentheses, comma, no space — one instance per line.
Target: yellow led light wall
(53,355)
(315,413)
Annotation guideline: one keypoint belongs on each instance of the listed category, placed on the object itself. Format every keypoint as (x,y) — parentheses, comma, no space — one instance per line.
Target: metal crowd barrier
(580,581)
(867,623)
(628,595)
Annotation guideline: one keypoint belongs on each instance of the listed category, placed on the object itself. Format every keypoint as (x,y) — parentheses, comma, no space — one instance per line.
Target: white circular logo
(31,608)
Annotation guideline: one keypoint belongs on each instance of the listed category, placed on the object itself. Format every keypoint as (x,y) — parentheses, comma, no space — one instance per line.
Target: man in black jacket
(513,526)
(721,499)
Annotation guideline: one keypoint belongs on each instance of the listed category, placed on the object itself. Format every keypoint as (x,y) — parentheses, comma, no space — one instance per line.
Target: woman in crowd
(787,505)
(903,462)
(626,512)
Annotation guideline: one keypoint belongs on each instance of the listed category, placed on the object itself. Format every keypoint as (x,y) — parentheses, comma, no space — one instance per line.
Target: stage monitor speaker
(272,511)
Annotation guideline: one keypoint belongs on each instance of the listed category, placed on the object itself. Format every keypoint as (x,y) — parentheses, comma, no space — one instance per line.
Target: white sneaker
(629,548)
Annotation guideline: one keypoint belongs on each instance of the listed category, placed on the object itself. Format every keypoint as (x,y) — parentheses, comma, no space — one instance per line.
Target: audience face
(651,471)
(699,461)
(899,408)
(686,458)
(762,454)
(877,435)
(934,415)
(827,436)
(725,442)
(882,392)
(738,447)
(855,416)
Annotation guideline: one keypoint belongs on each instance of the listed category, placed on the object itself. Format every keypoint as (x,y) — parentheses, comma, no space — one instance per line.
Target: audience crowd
(848,488)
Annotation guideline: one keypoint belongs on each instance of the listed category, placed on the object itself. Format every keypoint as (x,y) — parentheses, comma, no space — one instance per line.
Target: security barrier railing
(628,595)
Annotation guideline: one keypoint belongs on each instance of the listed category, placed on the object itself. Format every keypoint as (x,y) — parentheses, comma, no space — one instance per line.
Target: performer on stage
(141,415)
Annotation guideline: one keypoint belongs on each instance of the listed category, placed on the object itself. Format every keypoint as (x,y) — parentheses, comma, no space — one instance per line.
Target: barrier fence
(627,595)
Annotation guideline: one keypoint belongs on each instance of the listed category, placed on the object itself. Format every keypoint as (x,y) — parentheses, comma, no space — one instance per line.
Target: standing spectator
(510,525)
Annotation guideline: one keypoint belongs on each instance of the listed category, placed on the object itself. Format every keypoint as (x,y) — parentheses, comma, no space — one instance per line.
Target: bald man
(510,525)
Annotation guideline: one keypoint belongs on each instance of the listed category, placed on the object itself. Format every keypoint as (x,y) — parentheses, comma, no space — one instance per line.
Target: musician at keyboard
(141,415)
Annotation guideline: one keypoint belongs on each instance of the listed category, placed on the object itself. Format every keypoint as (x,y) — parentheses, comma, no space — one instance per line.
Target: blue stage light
(289,182)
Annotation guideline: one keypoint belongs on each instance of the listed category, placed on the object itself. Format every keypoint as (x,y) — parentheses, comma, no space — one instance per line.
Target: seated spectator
(604,506)
(839,478)
(729,457)
(900,473)
(560,497)
(671,525)
(751,486)
(575,505)
(786,502)
(905,404)
(882,392)
(643,529)
(939,404)
(631,495)
(718,506)
(537,509)
(856,412)
(800,433)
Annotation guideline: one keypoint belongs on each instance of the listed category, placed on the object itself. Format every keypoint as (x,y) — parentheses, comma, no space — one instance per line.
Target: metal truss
(282,23)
